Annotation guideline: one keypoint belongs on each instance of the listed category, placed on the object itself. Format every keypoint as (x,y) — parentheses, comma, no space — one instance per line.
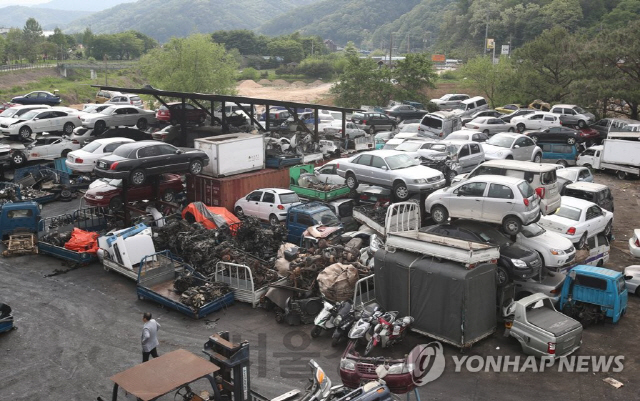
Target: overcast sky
(4,3)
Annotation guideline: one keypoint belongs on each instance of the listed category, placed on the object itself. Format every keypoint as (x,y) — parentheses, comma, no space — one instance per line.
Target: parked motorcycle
(362,329)
(388,331)
(324,320)
(343,321)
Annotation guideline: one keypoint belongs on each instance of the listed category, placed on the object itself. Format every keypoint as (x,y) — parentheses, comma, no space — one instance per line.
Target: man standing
(149,337)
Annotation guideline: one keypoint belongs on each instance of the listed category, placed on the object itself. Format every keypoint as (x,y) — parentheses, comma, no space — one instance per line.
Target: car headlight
(519,263)
(420,181)
(556,252)
(347,364)
(399,368)
(99,197)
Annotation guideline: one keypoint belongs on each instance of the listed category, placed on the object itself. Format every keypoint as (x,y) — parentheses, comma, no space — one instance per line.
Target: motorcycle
(325,319)
(362,329)
(320,388)
(388,331)
(345,318)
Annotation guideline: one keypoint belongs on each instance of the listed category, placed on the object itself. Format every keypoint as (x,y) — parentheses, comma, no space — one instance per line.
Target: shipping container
(226,191)
(232,153)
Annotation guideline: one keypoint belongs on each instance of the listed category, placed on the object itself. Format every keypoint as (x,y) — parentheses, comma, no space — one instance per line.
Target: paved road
(77,329)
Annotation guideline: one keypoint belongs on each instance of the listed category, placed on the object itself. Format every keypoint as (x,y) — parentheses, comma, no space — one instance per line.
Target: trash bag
(83,241)
(337,282)
(284,258)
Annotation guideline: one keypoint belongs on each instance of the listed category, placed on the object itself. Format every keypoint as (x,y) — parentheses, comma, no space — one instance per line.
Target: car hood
(633,270)
(101,189)
(551,240)
(417,172)
(494,150)
(515,251)
(430,154)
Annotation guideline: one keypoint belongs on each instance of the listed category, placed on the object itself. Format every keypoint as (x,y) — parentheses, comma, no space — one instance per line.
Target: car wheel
(571,140)
(351,181)
(509,157)
(511,129)
(563,163)
(401,191)
(142,124)
(534,138)
(25,132)
(583,241)
(607,229)
(115,203)
(622,175)
(511,225)
(18,159)
(439,214)
(173,121)
(100,126)
(638,292)
(239,212)
(316,331)
(486,132)
(537,158)
(168,195)
(195,167)
(520,127)
(502,276)
(201,119)
(138,177)
(65,153)
(452,175)
(582,124)
(68,128)
(372,130)
(273,219)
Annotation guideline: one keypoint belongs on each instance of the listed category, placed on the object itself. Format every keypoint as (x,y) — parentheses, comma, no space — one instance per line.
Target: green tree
(244,40)
(363,82)
(13,47)
(547,66)
(494,81)
(87,42)
(288,49)
(3,54)
(566,13)
(128,45)
(626,12)
(192,64)
(316,68)
(350,49)
(31,39)
(414,75)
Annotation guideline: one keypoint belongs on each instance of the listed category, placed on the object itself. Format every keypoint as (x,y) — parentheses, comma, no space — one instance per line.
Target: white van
(471,106)
(439,123)
(541,177)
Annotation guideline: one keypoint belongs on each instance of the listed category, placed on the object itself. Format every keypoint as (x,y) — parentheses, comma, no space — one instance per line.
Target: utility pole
(390,50)
(311,47)
(408,43)
(486,35)
(105,71)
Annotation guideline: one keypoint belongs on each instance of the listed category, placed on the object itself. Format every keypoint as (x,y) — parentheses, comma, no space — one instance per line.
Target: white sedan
(42,120)
(115,116)
(577,220)
(539,120)
(634,243)
(84,160)
(555,250)
(632,279)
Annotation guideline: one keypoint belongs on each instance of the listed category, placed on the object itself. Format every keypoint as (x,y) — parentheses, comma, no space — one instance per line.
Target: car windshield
(408,146)
(532,230)
(501,141)
(451,149)
(390,146)
(30,114)
(571,175)
(410,128)
(114,182)
(108,110)
(490,236)
(579,109)
(458,136)
(398,162)
(325,217)
(8,112)
(289,197)
(569,212)
(92,147)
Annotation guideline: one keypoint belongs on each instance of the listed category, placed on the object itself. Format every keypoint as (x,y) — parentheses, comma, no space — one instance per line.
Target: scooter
(362,329)
(320,388)
(343,321)
(324,320)
(388,331)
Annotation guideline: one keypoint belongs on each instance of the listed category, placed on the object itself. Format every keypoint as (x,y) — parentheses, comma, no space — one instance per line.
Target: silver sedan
(489,125)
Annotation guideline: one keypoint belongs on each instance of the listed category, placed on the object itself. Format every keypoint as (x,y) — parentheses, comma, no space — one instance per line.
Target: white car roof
(575,202)
(513,135)
(567,106)
(274,190)
(383,152)
(28,106)
(587,186)
(105,141)
(499,179)
(521,165)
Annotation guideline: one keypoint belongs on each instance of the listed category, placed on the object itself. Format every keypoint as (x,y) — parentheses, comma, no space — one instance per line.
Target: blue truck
(305,215)
(592,294)
(18,218)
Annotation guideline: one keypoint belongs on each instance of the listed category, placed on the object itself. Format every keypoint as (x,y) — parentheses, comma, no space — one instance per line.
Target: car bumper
(97,202)
(633,249)
(430,186)
(398,384)
(111,174)
(559,261)
(88,124)
(547,207)
(6,132)
(80,167)
(530,216)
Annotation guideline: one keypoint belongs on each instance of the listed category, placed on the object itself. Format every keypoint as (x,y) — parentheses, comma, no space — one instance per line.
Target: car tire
(372,130)
(583,241)
(273,220)
(25,132)
(511,129)
(571,140)
(510,157)
(486,132)
(168,195)
(520,127)
(511,225)
(502,276)
(68,128)
(537,158)
(115,203)
(195,167)
(142,124)
(563,163)
(534,138)
(582,124)
(18,159)
(607,229)
(138,177)
(537,219)
(638,292)
(439,214)
(401,191)
(622,175)
(99,126)
(239,212)
(351,181)
(452,174)
(65,153)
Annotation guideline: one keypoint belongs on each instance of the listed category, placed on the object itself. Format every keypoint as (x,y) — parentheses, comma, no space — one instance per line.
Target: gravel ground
(77,329)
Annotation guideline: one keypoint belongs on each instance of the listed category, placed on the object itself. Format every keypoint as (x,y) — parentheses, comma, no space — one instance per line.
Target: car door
(534,122)
(362,167)
(496,125)
(151,160)
(55,148)
(466,201)
(133,115)
(41,122)
(476,157)
(379,171)
(252,206)
(175,159)
(499,201)
(519,150)
(464,159)
(595,219)
(39,150)
(329,175)
(267,205)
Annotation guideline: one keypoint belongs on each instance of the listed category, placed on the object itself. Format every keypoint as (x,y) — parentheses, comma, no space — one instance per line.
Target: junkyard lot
(79,328)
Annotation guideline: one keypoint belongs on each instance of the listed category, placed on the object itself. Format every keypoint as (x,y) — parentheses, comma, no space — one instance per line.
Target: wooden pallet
(20,244)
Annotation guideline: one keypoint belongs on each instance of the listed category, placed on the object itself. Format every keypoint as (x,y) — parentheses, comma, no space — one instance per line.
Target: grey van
(440,124)
(471,106)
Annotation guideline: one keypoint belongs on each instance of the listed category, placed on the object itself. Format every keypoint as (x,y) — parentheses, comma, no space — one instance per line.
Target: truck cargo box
(232,153)
(619,151)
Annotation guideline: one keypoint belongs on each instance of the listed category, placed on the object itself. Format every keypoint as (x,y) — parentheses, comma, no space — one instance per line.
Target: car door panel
(267,205)
(379,175)
(467,202)
(499,201)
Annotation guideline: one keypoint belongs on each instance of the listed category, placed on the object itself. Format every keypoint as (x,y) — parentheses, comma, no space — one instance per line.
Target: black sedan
(138,160)
(118,132)
(39,97)
(515,262)
(557,134)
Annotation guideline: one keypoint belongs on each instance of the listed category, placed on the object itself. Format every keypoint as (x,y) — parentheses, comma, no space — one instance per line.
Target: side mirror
(178,151)
(517,147)
(384,168)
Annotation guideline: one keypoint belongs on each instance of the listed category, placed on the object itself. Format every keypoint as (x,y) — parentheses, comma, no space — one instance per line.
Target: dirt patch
(249,83)
(264,81)
(305,94)
(280,82)
(317,82)
(12,79)
(442,88)
(299,84)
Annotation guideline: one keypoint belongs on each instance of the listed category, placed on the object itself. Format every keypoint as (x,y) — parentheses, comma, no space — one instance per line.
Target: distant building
(4,31)
(330,45)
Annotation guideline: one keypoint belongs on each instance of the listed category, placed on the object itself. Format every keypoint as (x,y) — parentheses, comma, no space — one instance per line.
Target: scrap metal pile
(56,238)
(312,182)
(8,195)
(377,213)
(196,296)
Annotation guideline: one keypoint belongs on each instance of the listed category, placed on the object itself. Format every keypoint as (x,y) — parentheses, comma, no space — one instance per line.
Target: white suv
(270,204)
(573,115)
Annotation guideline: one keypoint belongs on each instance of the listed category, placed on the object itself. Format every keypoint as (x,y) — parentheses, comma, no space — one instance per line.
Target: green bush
(449,76)
(249,73)
(315,68)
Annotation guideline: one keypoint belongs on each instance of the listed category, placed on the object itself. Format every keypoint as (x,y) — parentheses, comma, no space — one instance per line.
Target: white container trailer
(232,153)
